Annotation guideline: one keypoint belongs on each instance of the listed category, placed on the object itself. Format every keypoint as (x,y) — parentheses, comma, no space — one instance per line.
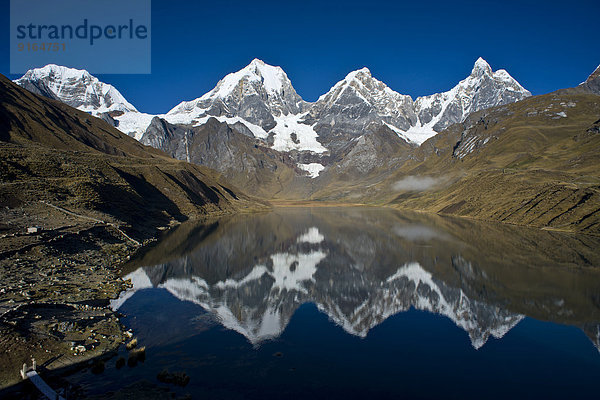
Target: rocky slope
(241,158)
(84,156)
(592,83)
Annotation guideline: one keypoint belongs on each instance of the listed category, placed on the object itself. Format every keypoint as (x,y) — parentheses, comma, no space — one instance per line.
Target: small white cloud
(416,183)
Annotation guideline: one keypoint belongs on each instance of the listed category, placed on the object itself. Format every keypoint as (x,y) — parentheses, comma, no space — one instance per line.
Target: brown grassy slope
(522,163)
(537,167)
(52,152)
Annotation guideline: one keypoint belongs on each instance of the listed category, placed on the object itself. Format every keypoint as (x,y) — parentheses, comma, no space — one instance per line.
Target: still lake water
(364,303)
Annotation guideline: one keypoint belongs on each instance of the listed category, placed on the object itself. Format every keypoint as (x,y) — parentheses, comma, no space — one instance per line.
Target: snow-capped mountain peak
(63,73)
(481,67)
(361,97)
(272,78)
(363,73)
(258,93)
(354,79)
(483,88)
(75,87)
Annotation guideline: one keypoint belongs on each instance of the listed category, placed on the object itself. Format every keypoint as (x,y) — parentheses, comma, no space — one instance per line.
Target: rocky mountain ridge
(262,98)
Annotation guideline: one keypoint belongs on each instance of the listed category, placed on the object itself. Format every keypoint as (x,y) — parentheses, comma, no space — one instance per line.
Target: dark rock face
(379,147)
(38,87)
(353,105)
(244,160)
(167,137)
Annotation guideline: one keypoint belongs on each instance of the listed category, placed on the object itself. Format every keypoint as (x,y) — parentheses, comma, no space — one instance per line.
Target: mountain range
(261,98)
(259,102)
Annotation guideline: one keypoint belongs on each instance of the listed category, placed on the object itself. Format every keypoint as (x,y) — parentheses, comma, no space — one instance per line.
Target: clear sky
(416,48)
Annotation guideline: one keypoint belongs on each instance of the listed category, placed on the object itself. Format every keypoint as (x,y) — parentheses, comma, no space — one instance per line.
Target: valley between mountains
(484,149)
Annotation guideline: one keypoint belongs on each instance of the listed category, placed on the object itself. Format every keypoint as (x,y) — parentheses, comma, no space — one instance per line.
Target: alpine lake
(360,303)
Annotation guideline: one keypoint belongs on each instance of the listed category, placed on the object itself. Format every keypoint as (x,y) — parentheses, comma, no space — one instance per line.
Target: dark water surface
(364,303)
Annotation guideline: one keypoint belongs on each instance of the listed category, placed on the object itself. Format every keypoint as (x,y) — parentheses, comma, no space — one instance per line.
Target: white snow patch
(311,236)
(414,134)
(134,123)
(419,134)
(305,135)
(290,270)
(256,273)
(313,169)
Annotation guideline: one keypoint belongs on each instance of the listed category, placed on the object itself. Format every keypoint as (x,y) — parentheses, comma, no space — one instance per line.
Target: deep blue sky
(416,48)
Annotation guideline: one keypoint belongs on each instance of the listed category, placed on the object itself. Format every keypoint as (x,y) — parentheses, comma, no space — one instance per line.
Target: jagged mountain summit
(257,93)
(360,100)
(482,89)
(259,100)
(356,103)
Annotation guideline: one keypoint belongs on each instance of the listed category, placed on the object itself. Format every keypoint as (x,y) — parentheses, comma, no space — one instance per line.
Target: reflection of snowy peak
(412,286)
(260,302)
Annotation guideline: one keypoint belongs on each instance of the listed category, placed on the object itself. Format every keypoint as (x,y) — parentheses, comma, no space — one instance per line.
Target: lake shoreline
(316,203)
(57,286)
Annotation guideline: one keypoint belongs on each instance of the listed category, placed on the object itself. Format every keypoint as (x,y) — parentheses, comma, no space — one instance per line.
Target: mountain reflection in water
(360,266)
